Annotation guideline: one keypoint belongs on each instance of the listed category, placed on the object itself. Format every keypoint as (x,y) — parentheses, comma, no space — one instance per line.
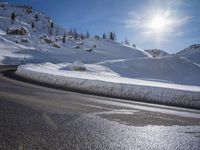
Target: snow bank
(78,66)
(103,84)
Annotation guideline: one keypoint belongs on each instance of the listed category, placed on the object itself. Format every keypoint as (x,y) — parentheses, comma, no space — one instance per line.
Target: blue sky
(171,25)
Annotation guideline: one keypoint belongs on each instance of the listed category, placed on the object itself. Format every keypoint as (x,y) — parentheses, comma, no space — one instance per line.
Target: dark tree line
(110,36)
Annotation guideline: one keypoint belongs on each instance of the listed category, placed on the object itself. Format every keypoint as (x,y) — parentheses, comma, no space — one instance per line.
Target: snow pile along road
(101,80)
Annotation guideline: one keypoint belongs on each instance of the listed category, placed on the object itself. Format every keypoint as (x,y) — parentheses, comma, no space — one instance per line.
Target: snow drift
(112,85)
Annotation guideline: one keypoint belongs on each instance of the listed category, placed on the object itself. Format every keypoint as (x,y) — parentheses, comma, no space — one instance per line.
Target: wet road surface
(36,117)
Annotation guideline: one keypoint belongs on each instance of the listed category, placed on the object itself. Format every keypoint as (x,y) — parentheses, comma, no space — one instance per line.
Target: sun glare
(159,23)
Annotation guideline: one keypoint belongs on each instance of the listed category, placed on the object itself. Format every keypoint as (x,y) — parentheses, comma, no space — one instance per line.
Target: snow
(192,54)
(2,32)
(56,51)
(167,69)
(78,66)
(10,52)
(111,85)
(157,53)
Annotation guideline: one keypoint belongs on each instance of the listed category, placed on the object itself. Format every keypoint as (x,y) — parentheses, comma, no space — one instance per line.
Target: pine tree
(64,36)
(36,17)
(33,25)
(52,26)
(104,36)
(112,36)
(87,34)
(13,17)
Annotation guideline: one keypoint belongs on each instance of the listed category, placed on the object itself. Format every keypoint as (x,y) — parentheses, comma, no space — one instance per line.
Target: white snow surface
(192,54)
(101,80)
(44,52)
(157,52)
(167,69)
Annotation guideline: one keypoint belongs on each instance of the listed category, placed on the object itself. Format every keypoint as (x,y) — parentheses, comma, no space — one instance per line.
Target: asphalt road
(37,117)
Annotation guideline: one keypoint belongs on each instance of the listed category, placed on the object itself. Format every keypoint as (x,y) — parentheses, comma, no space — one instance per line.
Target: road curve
(37,117)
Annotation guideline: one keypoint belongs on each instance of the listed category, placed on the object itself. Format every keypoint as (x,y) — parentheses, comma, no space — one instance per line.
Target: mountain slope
(157,53)
(48,43)
(192,53)
(25,15)
(166,69)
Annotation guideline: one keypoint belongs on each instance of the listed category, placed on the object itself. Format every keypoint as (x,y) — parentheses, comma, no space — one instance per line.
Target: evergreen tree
(52,26)
(112,36)
(33,25)
(104,36)
(64,36)
(87,34)
(36,17)
(13,17)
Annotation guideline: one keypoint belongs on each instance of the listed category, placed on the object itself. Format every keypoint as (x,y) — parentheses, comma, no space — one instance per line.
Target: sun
(159,23)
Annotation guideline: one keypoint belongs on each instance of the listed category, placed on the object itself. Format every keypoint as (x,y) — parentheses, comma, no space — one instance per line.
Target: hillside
(192,53)
(157,53)
(166,69)
(45,43)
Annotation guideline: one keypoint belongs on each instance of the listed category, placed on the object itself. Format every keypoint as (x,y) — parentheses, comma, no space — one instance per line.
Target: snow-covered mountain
(22,42)
(192,53)
(157,52)
(45,43)
(26,16)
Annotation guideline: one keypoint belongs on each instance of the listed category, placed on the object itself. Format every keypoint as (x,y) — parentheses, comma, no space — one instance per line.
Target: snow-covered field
(101,80)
